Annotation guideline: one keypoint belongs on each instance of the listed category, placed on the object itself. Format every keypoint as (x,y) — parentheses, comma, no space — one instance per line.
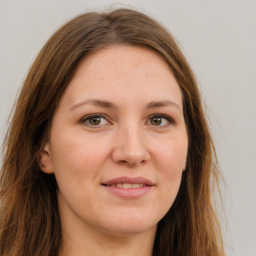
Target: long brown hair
(29,217)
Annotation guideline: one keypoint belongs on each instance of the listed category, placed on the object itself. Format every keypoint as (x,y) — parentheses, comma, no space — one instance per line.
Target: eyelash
(88,117)
(169,119)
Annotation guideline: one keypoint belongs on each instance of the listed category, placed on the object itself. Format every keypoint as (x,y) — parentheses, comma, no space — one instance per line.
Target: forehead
(122,72)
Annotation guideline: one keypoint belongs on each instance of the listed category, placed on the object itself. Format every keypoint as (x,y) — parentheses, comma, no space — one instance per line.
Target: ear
(44,159)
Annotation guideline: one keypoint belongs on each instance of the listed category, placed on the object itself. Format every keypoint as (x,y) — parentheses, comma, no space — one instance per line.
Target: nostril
(129,156)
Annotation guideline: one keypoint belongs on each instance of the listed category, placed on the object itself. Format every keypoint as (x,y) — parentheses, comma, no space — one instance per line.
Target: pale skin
(121,115)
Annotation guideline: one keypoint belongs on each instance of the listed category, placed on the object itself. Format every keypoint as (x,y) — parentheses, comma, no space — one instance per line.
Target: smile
(129,188)
(127,185)
(128,182)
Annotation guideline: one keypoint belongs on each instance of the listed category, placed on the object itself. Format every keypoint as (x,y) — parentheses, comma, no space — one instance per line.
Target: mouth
(127,185)
(129,188)
(128,182)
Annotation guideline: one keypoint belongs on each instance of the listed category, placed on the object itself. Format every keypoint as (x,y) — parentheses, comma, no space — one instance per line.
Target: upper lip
(129,180)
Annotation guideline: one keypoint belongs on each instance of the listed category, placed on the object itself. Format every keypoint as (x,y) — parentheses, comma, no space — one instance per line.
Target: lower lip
(129,193)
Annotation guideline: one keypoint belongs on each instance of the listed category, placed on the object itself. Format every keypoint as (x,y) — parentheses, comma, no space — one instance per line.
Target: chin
(127,230)
(131,224)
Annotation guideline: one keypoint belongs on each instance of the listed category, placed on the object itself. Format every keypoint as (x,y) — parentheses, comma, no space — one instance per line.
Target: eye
(96,120)
(160,120)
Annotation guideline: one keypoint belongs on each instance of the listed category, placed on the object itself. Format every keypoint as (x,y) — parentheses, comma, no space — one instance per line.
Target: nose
(130,148)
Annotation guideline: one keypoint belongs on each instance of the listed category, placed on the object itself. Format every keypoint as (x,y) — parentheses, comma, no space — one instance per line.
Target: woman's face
(118,142)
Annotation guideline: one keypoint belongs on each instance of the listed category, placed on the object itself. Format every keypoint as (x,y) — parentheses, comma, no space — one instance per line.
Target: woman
(109,152)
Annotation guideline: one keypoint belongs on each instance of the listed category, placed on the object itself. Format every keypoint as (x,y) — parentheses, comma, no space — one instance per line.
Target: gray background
(217,37)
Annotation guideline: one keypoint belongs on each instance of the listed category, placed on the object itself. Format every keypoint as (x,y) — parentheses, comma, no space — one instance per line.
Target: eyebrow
(95,102)
(157,104)
(107,104)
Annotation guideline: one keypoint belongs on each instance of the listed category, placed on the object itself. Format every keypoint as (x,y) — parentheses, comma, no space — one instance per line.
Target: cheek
(78,152)
(171,163)
(77,161)
(171,156)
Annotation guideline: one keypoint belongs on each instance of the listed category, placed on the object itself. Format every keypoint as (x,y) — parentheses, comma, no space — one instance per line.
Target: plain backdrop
(219,40)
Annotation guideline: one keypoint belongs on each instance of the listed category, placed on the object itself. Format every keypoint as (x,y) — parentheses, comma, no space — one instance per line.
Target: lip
(129,193)
(131,180)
